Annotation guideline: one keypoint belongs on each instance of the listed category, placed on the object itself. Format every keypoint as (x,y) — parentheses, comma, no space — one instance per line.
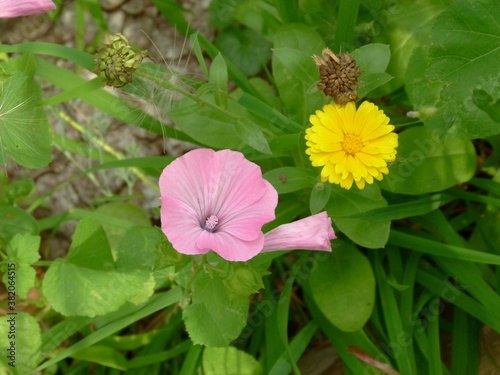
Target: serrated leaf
(424,164)
(26,343)
(23,249)
(213,319)
(229,361)
(89,282)
(343,287)
(24,129)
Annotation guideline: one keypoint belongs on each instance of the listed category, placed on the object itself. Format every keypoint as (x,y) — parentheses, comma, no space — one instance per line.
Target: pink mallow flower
(219,201)
(17,8)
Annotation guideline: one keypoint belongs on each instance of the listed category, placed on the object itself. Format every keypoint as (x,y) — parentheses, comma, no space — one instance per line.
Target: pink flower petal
(240,185)
(193,179)
(181,225)
(312,233)
(17,8)
(229,247)
(246,223)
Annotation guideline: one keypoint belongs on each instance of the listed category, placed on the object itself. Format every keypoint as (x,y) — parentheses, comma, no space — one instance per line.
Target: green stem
(197,268)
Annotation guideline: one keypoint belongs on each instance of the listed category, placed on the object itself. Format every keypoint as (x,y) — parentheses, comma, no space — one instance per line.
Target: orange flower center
(352,144)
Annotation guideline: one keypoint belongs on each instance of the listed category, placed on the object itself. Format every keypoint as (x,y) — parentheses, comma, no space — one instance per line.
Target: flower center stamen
(352,144)
(211,223)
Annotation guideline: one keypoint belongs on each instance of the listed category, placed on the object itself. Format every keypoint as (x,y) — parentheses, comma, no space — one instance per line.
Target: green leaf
(206,125)
(294,71)
(405,26)
(24,129)
(464,56)
(251,134)
(14,220)
(218,77)
(15,190)
(22,251)
(212,318)
(343,287)
(424,164)
(372,234)
(259,16)
(132,214)
(296,77)
(423,93)
(246,49)
(25,343)
(371,81)
(485,101)
(25,280)
(372,58)
(320,194)
(289,179)
(222,12)
(229,361)
(88,282)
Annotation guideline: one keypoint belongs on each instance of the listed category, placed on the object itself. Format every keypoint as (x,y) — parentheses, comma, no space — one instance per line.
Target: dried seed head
(338,76)
(117,61)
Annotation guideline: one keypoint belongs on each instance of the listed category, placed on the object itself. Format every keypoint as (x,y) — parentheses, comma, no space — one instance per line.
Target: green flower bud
(117,61)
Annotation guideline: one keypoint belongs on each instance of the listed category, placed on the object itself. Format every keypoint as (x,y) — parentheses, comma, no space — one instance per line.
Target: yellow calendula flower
(351,145)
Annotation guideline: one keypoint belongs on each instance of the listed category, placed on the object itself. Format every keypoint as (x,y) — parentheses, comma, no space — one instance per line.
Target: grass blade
(436,248)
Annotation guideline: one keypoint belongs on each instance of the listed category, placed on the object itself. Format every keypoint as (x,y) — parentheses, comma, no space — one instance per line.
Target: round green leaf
(372,234)
(343,287)
(424,164)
